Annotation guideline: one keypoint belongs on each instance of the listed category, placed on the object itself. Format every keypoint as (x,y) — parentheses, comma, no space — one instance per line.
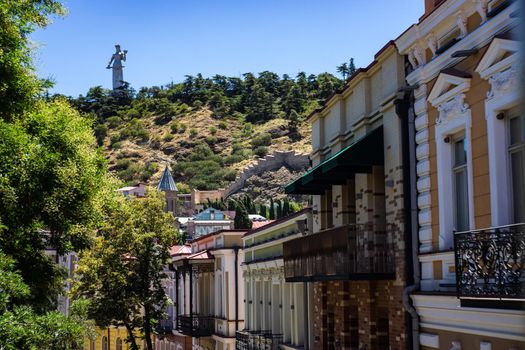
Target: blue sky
(168,39)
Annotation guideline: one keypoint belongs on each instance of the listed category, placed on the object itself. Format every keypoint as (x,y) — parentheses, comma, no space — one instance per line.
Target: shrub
(114,139)
(182,128)
(174,126)
(167,137)
(122,164)
(261,140)
(116,145)
(213,130)
(261,151)
(193,132)
(114,121)
(211,140)
(222,125)
(101,131)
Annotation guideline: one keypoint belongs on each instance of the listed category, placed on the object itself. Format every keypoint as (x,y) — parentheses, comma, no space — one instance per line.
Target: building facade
(208,292)
(470,174)
(208,221)
(356,256)
(276,312)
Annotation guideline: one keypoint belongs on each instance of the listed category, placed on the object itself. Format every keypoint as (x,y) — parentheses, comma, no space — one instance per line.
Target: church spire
(166,182)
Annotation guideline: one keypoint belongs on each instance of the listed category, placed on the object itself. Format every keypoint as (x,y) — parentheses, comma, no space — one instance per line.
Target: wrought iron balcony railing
(350,252)
(489,263)
(196,325)
(257,340)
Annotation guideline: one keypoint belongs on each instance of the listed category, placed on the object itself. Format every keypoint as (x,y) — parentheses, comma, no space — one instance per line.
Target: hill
(208,129)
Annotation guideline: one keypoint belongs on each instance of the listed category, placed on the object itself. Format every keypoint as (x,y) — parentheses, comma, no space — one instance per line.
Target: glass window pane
(518,186)
(460,152)
(515,132)
(461,189)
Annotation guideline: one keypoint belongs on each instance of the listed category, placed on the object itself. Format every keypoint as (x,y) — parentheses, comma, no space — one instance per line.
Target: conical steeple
(166,182)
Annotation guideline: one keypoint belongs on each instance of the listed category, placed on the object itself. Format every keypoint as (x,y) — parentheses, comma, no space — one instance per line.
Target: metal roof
(166,182)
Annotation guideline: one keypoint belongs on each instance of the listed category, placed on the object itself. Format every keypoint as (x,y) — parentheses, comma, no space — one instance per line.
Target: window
(91,345)
(516,151)
(460,180)
(118,344)
(104,343)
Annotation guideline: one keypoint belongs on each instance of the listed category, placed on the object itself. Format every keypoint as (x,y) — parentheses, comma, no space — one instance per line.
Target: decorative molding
(500,55)
(503,82)
(482,9)
(452,109)
(461,21)
(432,43)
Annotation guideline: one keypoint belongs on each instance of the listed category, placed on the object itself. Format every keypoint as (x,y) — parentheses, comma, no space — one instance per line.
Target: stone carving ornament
(482,9)
(461,21)
(502,82)
(452,108)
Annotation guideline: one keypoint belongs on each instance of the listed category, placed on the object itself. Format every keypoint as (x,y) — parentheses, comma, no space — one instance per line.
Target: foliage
(121,276)
(51,187)
(23,329)
(241,220)
(18,84)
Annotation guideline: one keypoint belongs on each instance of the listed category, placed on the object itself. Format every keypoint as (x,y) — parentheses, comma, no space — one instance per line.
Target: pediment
(500,55)
(450,83)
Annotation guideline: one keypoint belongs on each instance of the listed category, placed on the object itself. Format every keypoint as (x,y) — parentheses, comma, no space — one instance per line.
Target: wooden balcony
(350,252)
(489,263)
(196,325)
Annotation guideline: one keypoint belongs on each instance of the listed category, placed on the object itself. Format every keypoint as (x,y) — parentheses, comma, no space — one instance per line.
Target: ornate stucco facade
(464,64)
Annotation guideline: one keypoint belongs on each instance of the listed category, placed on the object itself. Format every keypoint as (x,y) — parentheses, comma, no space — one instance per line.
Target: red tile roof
(180,250)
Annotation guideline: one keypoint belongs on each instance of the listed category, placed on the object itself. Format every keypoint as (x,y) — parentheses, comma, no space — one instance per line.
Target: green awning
(359,157)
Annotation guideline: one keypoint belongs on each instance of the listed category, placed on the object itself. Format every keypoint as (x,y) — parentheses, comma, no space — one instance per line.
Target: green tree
(351,67)
(271,210)
(279,209)
(52,193)
(343,70)
(241,221)
(121,276)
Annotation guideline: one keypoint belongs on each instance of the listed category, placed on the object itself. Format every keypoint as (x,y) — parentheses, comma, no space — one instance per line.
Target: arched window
(104,343)
(91,345)
(118,344)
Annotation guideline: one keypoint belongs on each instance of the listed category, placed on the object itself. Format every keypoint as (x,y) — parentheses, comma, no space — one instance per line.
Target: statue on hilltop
(118,74)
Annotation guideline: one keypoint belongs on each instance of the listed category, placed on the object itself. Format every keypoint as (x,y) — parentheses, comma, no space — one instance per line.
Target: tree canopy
(121,275)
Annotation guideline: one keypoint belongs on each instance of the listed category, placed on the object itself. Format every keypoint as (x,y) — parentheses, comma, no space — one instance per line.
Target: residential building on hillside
(470,174)
(138,190)
(357,256)
(276,312)
(208,221)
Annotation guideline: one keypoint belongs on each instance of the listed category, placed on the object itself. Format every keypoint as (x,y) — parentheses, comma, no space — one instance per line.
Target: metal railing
(489,262)
(349,252)
(257,340)
(196,325)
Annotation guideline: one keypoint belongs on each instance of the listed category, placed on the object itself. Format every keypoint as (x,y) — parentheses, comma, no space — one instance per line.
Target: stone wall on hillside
(289,159)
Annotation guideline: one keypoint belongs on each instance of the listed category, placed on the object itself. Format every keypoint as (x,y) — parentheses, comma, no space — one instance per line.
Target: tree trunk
(131,337)
(147,328)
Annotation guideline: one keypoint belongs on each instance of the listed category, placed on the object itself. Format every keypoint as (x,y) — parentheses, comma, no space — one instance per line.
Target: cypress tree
(279,209)
(241,221)
(272,210)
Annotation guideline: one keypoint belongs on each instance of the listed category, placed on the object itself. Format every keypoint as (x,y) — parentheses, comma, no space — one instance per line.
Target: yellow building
(111,339)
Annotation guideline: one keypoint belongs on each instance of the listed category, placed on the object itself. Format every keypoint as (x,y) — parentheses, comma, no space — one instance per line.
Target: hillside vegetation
(207,128)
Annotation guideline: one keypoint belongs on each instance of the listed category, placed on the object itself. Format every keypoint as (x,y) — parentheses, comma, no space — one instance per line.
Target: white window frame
(504,95)
(454,118)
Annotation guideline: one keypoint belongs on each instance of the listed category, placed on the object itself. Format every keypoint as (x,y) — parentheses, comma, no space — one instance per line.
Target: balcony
(257,340)
(489,263)
(350,252)
(196,325)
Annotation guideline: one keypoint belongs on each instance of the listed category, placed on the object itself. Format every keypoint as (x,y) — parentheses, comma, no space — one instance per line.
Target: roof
(259,224)
(180,250)
(127,188)
(203,255)
(206,215)
(166,182)
(216,233)
(277,222)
